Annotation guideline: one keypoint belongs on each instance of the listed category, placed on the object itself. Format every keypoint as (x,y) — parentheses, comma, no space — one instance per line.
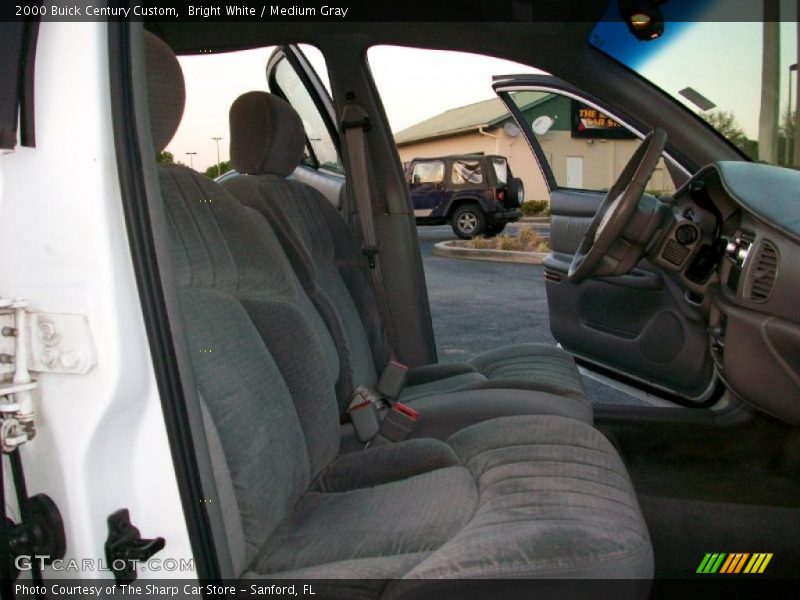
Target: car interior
(333,442)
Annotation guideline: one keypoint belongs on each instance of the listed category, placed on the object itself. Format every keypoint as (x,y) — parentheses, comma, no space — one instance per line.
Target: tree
(726,124)
(224,167)
(787,133)
(165,157)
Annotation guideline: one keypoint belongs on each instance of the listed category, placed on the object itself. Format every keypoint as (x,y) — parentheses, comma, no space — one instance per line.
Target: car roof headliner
(551,28)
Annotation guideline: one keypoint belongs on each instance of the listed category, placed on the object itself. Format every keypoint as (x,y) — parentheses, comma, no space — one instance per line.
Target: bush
(536,208)
(507,242)
(525,240)
(479,242)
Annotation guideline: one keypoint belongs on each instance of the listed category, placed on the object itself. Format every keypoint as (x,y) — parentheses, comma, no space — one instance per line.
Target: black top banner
(496,11)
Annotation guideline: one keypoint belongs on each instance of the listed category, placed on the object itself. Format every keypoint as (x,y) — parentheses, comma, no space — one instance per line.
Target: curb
(534,220)
(445,250)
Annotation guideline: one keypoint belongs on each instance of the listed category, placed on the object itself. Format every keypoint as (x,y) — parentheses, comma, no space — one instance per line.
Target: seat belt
(355,123)
(376,415)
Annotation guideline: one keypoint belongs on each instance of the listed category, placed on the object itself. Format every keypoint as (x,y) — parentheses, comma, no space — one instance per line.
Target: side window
(584,148)
(500,170)
(320,148)
(428,172)
(466,172)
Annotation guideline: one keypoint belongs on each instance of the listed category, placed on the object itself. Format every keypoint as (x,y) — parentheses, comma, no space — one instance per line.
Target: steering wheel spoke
(615,240)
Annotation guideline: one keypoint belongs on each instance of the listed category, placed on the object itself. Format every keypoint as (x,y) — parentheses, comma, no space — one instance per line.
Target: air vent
(763,271)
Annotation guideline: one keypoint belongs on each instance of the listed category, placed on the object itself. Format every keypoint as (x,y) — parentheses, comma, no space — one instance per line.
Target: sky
(214,81)
(722,61)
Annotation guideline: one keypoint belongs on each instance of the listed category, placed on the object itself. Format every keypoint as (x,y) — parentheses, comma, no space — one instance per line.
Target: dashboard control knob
(686,234)
(741,254)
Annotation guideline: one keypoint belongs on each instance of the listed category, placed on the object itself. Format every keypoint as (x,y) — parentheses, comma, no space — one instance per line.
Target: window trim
(17,114)
(503,88)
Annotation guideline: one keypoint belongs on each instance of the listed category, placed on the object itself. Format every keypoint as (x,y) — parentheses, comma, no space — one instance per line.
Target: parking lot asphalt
(479,305)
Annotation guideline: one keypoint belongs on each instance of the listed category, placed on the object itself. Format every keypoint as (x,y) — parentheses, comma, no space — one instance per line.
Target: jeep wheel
(468,221)
(493,230)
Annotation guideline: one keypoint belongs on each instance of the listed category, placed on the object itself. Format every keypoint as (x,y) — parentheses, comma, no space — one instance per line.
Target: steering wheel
(621,228)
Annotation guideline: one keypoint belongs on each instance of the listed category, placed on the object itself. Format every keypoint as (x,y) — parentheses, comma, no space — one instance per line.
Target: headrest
(166,93)
(267,135)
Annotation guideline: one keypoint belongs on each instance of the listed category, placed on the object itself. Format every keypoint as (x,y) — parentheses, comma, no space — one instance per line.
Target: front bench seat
(267,142)
(524,496)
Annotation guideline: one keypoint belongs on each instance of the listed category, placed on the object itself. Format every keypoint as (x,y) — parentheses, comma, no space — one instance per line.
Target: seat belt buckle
(400,422)
(365,414)
(392,381)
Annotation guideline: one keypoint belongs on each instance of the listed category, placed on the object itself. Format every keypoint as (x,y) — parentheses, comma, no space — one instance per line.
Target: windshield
(740,77)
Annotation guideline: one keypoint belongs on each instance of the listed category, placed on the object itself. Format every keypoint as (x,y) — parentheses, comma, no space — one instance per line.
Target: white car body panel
(101,441)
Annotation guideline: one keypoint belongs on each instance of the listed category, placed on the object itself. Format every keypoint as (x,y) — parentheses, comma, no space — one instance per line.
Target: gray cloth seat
(267,141)
(527,497)
(519,496)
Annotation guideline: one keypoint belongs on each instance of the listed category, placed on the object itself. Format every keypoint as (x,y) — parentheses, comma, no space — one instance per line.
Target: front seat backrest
(263,360)
(329,265)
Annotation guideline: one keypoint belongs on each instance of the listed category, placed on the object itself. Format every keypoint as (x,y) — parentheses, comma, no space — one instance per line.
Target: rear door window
(466,172)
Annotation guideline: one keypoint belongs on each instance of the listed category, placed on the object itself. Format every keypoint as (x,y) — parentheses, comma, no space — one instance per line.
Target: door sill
(639,394)
(646,391)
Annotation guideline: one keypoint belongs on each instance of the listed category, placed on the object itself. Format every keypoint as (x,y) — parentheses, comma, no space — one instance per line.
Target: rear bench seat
(267,142)
(519,496)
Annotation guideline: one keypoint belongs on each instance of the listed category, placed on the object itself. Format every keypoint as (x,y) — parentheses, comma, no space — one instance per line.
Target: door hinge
(35,342)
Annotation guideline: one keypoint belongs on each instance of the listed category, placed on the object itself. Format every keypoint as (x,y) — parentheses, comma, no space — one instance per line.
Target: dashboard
(734,246)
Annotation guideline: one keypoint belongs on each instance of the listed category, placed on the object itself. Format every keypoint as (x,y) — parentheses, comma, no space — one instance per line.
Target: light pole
(191,159)
(789,120)
(217,139)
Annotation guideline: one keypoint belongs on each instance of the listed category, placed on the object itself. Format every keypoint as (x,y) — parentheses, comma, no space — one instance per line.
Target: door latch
(125,547)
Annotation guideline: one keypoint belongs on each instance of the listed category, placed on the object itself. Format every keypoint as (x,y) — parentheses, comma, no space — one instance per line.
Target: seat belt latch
(392,381)
(364,414)
(370,252)
(400,421)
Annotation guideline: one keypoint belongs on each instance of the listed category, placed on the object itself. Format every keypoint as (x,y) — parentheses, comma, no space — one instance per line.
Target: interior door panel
(638,324)
(331,185)
(571,213)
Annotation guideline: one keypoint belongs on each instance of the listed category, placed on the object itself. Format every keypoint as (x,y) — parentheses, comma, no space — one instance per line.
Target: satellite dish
(511,129)
(542,125)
